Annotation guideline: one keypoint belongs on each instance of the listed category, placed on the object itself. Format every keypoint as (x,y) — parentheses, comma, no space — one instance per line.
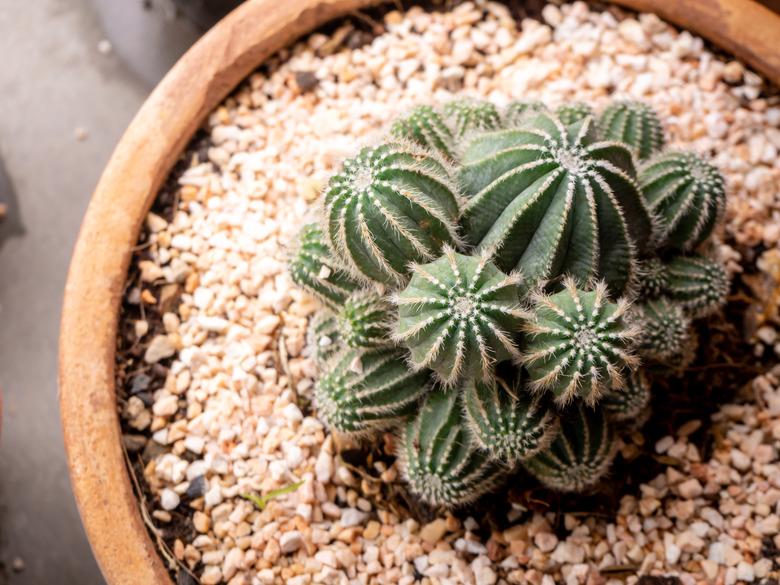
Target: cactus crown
(418,256)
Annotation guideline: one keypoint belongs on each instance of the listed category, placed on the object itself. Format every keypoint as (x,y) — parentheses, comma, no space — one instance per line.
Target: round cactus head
(698,283)
(364,320)
(520,111)
(631,403)
(579,343)
(438,459)
(580,454)
(424,126)
(573,112)
(507,421)
(313,268)
(362,392)
(457,316)
(323,337)
(653,278)
(687,197)
(666,330)
(634,123)
(387,207)
(469,115)
(550,199)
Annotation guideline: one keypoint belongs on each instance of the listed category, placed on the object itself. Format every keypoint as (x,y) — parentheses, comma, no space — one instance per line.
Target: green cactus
(573,112)
(634,123)
(579,455)
(507,422)
(323,337)
(550,199)
(457,316)
(363,392)
(631,403)
(438,459)
(364,320)
(313,268)
(653,278)
(579,343)
(665,330)
(697,283)
(387,207)
(424,126)
(468,115)
(520,111)
(686,195)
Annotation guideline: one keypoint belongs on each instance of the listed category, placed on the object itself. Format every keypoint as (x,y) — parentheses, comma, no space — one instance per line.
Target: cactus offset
(653,278)
(551,199)
(631,403)
(313,268)
(424,126)
(579,455)
(698,283)
(518,112)
(686,195)
(467,116)
(634,123)
(438,459)
(387,207)
(665,328)
(507,422)
(573,112)
(323,337)
(579,343)
(458,315)
(361,392)
(364,320)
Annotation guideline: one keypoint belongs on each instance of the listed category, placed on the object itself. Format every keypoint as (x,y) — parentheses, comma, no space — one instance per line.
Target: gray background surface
(55,84)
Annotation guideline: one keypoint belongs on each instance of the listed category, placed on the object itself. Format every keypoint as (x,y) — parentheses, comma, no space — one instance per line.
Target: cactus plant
(507,422)
(634,123)
(518,112)
(323,337)
(469,115)
(665,330)
(579,343)
(573,112)
(687,197)
(630,403)
(550,200)
(698,283)
(426,127)
(361,392)
(313,268)
(387,207)
(579,455)
(653,278)
(457,316)
(438,458)
(364,320)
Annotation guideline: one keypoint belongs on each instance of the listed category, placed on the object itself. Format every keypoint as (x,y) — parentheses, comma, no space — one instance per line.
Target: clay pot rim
(198,82)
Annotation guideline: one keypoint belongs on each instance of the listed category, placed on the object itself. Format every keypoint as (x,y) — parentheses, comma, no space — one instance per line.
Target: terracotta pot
(211,69)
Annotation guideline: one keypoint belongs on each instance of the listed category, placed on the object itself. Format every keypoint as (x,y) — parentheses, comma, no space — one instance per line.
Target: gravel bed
(216,370)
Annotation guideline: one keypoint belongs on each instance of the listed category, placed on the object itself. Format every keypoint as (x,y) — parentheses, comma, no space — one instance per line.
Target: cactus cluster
(500,288)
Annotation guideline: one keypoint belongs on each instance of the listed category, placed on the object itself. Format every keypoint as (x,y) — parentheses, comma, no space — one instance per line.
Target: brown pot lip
(198,82)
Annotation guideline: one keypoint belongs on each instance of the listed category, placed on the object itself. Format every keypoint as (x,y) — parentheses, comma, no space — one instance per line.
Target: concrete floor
(64,104)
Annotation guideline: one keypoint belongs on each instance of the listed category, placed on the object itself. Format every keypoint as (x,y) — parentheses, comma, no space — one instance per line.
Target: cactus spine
(665,330)
(457,316)
(438,459)
(313,268)
(698,283)
(687,197)
(507,422)
(550,199)
(424,126)
(467,116)
(636,124)
(630,403)
(579,343)
(579,455)
(362,392)
(323,337)
(364,322)
(389,206)
(653,278)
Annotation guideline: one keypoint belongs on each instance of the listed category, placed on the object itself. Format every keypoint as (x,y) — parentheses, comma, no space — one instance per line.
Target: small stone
(290,542)
(18,565)
(160,348)
(545,541)
(169,499)
(673,553)
(745,572)
(690,488)
(739,460)
(434,531)
(166,405)
(212,575)
(372,530)
(352,517)
(201,522)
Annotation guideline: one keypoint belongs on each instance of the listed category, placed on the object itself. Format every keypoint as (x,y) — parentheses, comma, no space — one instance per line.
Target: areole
(201,79)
